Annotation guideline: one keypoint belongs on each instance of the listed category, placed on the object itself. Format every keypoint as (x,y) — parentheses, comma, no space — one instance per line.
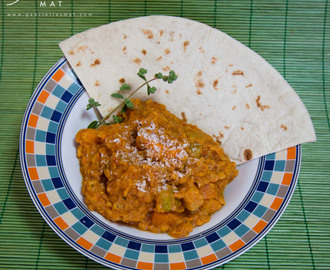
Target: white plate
(254,200)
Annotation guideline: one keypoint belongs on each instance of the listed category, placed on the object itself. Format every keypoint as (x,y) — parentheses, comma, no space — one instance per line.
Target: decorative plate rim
(273,186)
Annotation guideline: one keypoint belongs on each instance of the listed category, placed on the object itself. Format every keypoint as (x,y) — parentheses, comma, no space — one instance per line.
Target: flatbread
(224,88)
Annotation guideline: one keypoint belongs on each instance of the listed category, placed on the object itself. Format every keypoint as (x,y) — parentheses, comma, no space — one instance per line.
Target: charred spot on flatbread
(167,51)
(71,52)
(96,62)
(144,52)
(137,61)
(260,106)
(249,85)
(78,64)
(81,48)
(161,32)
(201,49)
(171,36)
(247,106)
(167,92)
(238,72)
(199,82)
(215,84)
(284,127)
(97,83)
(124,36)
(234,107)
(167,68)
(160,57)
(124,49)
(185,45)
(247,154)
(234,86)
(122,80)
(214,60)
(148,33)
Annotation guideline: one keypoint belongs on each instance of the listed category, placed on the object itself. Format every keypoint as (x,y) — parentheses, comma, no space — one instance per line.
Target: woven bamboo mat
(293,35)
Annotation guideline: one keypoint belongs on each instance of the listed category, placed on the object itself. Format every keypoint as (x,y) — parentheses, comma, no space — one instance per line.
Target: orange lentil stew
(153,171)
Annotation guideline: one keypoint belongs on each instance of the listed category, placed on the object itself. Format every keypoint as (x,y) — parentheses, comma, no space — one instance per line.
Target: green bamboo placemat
(292,35)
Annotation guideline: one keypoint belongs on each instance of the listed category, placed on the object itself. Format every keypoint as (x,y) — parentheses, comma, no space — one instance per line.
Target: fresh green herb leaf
(124,108)
(92,103)
(117,119)
(129,103)
(172,76)
(142,72)
(125,86)
(152,90)
(142,77)
(93,125)
(159,75)
(117,95)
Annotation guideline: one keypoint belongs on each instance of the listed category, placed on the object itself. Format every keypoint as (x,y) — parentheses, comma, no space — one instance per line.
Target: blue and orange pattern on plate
(51,193)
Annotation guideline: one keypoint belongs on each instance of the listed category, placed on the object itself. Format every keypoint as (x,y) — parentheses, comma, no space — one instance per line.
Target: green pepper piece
(166,197)
(196,149)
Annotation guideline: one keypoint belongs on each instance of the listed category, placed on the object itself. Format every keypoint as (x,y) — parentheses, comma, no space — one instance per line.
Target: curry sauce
(153,171)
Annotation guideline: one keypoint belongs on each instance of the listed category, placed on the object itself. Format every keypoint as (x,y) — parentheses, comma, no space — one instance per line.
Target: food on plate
(244,106)
(153,171)
(223,87)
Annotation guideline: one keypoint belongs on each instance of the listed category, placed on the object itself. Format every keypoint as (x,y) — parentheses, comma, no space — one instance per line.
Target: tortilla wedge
(224,88)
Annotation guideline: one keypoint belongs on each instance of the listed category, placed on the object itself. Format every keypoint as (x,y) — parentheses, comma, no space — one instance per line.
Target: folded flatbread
(226,89)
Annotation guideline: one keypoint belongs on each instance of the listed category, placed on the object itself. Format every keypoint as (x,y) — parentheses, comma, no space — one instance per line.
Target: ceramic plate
(255,199)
